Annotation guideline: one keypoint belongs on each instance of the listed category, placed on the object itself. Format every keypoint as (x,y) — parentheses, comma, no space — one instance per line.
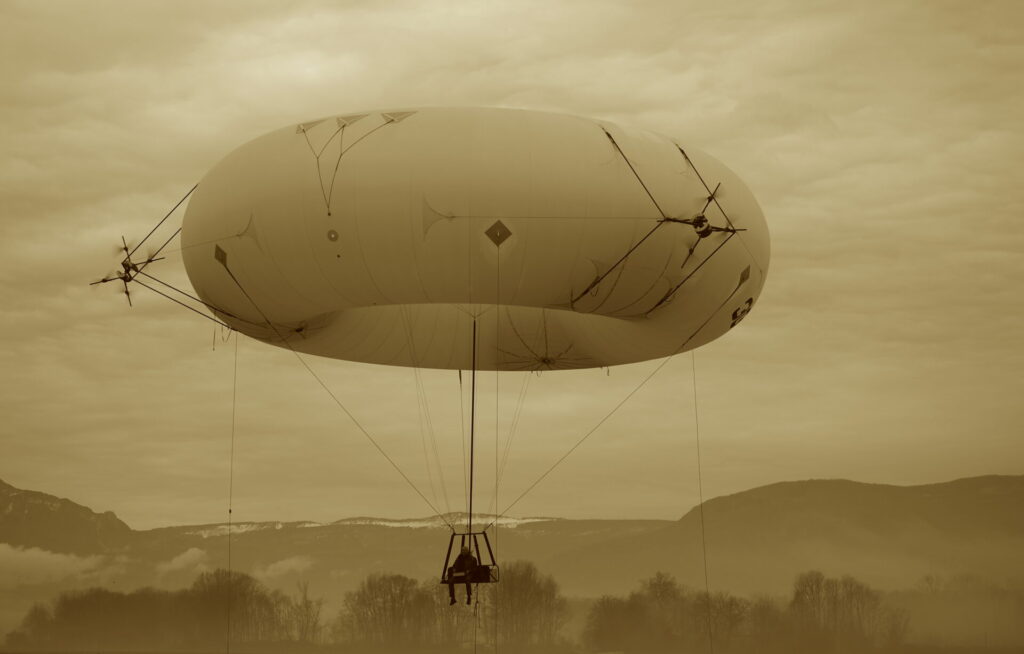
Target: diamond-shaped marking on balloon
(498,233)
(220,255)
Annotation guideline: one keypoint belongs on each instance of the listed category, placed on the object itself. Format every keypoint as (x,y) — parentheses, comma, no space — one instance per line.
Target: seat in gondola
(486,569)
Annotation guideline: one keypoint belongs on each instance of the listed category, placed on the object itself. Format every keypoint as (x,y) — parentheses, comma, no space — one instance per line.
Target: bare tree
(305,616)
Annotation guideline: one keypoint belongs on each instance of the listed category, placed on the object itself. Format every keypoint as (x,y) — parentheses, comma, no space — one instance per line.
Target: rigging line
(512,431)
(611,291)
(635,174)
(163,219)
(424,410)
(433,444)
(710,316)
(231,483)
(192,297)
(462,425)
(617,263)
(419,400)
(472,429)
(337,165)
(181,249)
(516,416)
(654,284)
(672,291)
(176,301)
(713,196)
(700,502)
(587,435)
(328,197)
(419,405)
(337,401)
(316,157)
(160,249)
(497,407)
(657,206)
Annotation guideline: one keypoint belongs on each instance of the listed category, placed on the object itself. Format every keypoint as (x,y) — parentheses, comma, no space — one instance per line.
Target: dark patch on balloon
(220,255)
(498,233)
(741,312)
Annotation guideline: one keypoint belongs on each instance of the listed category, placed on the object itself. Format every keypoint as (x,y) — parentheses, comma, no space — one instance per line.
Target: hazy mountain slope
(889,536)
(345,553)
(33,519)
(757,540)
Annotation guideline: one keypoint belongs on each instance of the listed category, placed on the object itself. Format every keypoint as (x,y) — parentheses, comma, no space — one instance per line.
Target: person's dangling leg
(451,588)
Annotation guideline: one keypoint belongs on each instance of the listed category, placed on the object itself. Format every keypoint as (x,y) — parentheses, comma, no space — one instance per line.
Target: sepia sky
(883,140)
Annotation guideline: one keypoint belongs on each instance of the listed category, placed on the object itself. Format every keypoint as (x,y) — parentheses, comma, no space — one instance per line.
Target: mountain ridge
(756,539)
(35,519)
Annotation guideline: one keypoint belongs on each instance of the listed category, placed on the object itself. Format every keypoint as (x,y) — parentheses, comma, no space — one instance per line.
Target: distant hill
(33,519)
(757,541)
(888,536)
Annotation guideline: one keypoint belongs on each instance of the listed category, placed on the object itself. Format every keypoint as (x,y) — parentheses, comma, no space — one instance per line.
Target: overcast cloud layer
(883,140)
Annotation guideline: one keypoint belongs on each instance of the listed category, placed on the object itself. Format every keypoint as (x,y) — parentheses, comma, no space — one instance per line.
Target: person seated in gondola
(462,570)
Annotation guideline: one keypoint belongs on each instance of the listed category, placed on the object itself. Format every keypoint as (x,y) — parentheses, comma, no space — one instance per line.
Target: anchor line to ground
(700,503)
(231,484)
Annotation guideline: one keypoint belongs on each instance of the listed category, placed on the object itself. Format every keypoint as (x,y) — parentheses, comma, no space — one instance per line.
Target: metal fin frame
(486,571)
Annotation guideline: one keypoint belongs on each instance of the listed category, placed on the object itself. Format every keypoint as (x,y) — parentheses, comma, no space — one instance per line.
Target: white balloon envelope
(383,237)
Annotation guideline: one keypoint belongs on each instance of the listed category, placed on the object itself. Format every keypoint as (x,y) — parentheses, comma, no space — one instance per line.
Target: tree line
(526,612)
(386,611)
(217,606)
(822,615)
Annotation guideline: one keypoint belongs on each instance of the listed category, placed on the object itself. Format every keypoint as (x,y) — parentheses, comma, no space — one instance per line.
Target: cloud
(28,566)
(882,141)
(292,565)
(193,560)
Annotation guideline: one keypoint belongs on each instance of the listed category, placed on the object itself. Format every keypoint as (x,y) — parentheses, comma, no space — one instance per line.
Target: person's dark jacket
(464,563)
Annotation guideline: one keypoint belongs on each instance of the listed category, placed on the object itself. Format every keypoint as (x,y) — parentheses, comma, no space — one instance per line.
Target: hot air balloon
(472,239)
(383,237)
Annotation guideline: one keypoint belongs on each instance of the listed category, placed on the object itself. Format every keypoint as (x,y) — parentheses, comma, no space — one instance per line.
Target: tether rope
(337,401)
(700,504)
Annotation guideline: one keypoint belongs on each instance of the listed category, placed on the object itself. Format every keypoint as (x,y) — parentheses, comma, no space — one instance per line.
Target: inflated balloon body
(383,237)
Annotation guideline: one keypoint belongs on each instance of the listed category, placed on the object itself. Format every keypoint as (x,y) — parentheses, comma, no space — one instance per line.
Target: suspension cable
(587,435)
(472,429)
(462,425)
(337,401)
(426,423)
